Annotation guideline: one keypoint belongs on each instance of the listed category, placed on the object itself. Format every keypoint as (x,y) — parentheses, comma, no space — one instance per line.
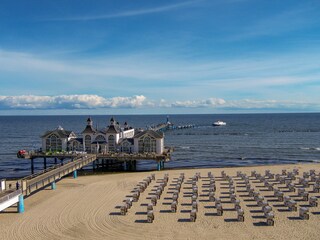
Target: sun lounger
(304,213)
(313,201)
(240,213)
(150,216)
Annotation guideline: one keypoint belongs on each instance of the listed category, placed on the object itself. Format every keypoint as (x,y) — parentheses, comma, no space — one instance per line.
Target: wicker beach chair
(154,200)
(313,201)
(263,205)
(304,213)
(129,202)
(233,197)
(266,210)
(253,173)
(260,200)
(237,204)
(292,205)
(195,205)
(153,176)
(194,198)
(251,191)
(193,215)
(256,195)
(124,209)
(150,207)
(211,197)
(284,172)
(240,214)
(150,217)
(270,218)
(209,175)
(291,187)
(316,188)
(286,199)
(219,209)
(174,206)
(135,196)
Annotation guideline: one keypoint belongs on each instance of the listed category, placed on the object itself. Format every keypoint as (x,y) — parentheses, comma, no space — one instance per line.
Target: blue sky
(144,56)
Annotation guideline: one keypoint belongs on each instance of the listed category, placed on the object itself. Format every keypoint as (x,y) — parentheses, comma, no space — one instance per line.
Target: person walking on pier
(17,185)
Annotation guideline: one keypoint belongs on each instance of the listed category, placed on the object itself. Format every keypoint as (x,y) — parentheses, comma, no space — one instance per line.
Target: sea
(246,140)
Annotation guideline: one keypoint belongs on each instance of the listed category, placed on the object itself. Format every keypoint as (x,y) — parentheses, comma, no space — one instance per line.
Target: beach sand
(88,208)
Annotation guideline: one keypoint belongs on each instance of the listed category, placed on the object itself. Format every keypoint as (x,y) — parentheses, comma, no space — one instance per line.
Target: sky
(154,57)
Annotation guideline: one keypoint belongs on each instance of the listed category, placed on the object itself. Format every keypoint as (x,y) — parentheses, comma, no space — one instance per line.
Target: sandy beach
(88,208)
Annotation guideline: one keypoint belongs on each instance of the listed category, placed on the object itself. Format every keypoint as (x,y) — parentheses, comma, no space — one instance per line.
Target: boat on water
(219,123)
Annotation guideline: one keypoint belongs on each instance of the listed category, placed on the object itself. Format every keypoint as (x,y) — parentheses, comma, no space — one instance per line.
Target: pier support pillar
(93,165)
(125,167)
(44,163)
(75,174)
(21,204)
(134,165)
(159,166)
(162,165)
(53,186)
(61,162)
(32,166)
(55,160)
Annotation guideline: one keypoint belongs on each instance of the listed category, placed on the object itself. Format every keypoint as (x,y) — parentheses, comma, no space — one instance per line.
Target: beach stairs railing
(38,181)
(9,198)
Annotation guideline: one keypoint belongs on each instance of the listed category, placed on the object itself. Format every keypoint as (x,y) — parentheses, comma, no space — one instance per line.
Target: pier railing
(9,195)
(31,184)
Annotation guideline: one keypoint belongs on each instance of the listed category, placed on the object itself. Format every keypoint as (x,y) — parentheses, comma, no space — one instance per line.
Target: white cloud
(211,102)
(33,102)
(130,13)
(69,102)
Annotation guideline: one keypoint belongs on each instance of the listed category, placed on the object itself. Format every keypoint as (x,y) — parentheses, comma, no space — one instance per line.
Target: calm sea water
(248,139)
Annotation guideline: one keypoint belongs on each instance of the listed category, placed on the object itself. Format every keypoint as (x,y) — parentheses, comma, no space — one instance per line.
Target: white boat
(219,123)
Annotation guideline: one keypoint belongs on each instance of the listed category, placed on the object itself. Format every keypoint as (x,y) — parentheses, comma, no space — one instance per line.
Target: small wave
(185,147)
(311,148)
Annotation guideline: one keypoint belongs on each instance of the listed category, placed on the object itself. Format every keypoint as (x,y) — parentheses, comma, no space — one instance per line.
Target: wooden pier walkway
(38,181)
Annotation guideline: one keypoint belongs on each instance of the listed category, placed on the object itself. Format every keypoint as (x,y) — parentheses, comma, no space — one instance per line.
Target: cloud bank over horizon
(85,101)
